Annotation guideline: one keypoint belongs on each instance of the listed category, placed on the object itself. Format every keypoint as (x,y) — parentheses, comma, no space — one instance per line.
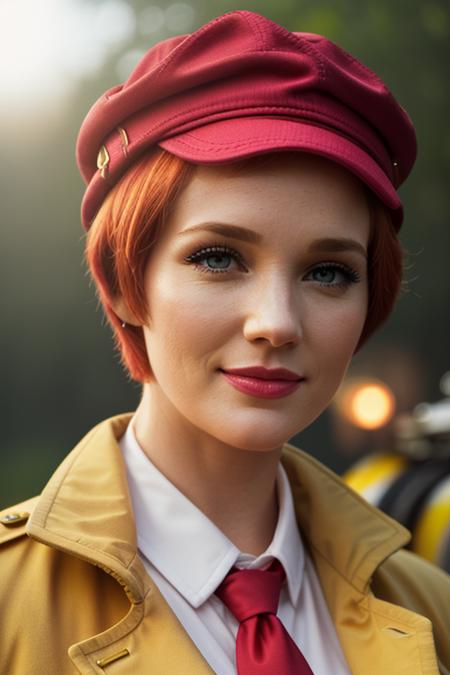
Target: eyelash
(208,250)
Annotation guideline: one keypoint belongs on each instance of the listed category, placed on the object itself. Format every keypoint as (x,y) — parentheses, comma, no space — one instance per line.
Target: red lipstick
(263,382)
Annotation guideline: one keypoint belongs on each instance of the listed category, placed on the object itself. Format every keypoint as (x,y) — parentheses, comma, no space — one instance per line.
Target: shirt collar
(167,522)
(85,510)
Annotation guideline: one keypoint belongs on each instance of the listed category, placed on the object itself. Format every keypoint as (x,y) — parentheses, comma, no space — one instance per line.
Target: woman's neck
(234,488)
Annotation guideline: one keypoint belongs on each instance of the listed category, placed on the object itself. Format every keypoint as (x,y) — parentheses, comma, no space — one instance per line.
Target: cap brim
(228,140)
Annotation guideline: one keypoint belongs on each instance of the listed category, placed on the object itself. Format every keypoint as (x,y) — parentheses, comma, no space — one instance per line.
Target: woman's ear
(124,313)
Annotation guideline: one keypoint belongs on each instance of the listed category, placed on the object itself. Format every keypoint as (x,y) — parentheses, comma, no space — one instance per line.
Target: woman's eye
(333,275)
(215,259)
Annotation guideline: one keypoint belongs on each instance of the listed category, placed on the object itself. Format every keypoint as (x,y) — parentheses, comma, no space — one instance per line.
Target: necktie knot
(263,646)
(249,592)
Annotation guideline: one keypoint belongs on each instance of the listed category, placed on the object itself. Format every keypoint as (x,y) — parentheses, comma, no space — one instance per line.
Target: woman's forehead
(282,190)
(300,169)
(293,177)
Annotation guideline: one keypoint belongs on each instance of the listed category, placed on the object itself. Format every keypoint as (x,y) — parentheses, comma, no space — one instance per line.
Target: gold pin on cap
(103,161)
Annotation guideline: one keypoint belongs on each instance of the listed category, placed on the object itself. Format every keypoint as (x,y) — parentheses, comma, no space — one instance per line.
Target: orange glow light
(366,403)
(371,406)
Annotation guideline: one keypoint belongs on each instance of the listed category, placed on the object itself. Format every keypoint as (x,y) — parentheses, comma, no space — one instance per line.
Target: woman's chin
(261,438)
(263,429)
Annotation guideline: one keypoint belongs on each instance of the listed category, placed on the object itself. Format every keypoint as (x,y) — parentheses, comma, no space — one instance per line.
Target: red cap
(240,86)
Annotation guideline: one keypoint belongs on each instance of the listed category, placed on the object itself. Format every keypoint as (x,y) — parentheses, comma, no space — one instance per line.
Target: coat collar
(88,496)
(325,506)
(85,510)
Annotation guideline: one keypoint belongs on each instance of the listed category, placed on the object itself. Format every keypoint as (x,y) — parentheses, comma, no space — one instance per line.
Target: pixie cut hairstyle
(128,224)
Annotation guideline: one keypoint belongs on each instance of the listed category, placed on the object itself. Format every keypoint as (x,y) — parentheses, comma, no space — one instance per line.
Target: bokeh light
(179,17)
(367,404)
(49,45)
(372,406)
(151,20)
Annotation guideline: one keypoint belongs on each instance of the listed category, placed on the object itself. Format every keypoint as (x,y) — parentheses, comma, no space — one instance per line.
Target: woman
(242,213)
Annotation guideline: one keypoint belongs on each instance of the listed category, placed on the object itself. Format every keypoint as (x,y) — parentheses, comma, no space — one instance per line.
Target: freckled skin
(214,442)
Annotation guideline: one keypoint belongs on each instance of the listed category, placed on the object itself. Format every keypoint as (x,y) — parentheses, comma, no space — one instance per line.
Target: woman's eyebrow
(233,231)
(335,244)
(325,245)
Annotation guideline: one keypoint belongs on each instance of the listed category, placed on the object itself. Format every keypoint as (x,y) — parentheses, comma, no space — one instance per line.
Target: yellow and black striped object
(414,492)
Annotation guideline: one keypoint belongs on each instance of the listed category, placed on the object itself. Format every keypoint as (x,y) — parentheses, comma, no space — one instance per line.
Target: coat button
(14,518)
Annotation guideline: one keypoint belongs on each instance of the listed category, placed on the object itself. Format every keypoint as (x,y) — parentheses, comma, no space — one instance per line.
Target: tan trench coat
(75,598)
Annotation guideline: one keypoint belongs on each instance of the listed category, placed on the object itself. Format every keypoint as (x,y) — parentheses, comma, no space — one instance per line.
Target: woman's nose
(273,313)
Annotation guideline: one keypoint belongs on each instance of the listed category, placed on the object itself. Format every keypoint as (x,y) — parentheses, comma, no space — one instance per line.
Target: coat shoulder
(49,599)
(411,581)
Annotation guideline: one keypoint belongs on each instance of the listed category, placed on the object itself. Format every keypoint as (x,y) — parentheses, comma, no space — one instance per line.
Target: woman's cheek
(336,322)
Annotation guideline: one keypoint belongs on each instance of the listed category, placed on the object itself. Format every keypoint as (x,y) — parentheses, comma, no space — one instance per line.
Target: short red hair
(128,224)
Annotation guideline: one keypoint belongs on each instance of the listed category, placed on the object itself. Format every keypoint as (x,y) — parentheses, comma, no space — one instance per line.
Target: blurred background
(59,373)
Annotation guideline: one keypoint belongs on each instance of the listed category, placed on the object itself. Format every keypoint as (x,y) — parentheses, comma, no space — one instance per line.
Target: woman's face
(261,266)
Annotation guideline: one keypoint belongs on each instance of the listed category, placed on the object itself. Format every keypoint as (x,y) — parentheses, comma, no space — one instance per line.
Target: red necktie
(263,646)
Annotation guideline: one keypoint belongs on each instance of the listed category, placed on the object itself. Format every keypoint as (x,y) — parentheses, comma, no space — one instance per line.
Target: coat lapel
(149,640)
(85,510)
(348,539)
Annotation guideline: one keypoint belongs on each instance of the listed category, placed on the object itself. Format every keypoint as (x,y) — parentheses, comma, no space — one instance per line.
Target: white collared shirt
(187,557)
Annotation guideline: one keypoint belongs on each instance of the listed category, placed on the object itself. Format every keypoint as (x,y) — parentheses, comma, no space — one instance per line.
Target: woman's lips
(267,388)
(263,373)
